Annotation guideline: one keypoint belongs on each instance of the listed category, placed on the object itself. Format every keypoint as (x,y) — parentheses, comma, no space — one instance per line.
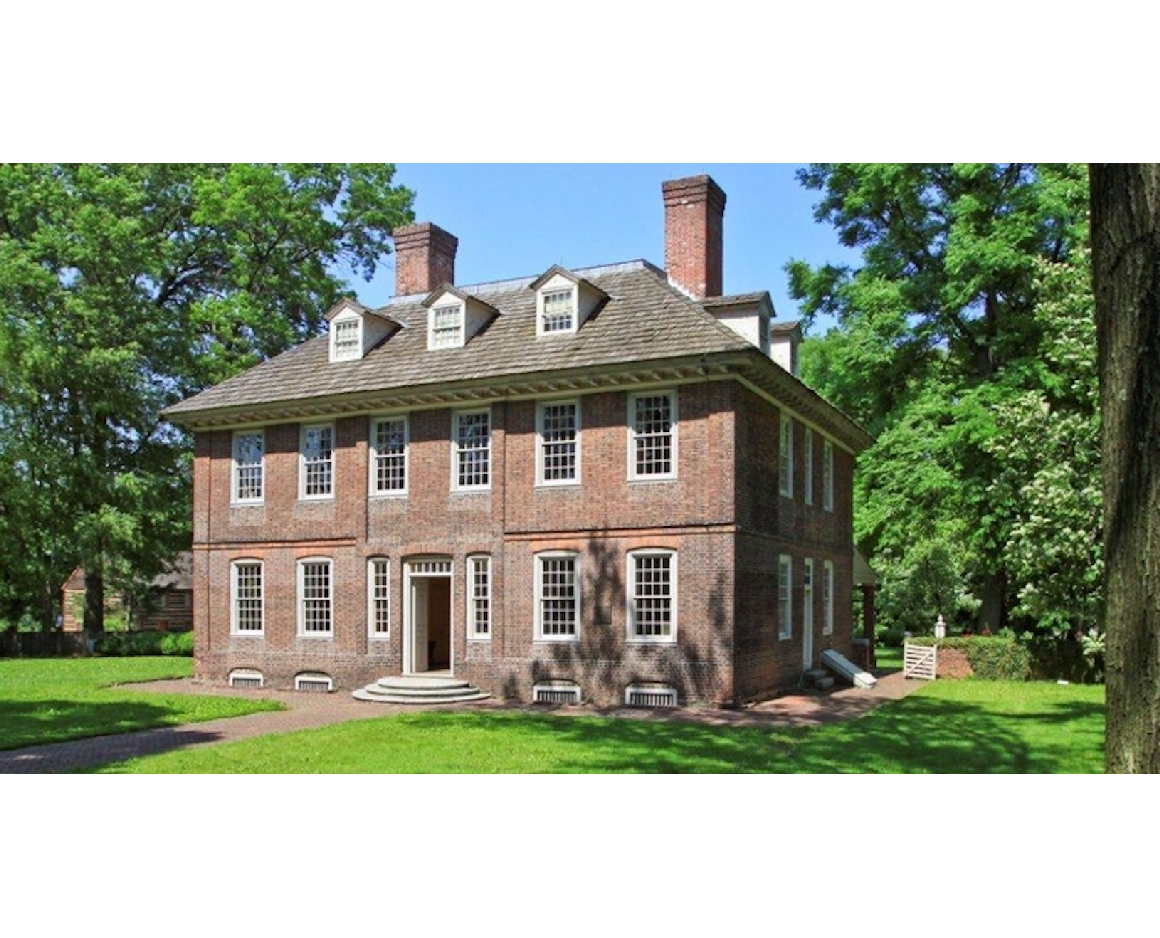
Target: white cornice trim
(749,368)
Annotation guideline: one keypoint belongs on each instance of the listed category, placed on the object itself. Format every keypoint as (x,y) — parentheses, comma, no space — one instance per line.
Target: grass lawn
(946,726)
(888,659)
(48,700)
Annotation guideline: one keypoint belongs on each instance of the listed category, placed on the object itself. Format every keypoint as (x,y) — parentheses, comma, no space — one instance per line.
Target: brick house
(603,483)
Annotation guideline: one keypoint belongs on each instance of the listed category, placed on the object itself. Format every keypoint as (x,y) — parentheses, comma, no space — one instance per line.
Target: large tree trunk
(1126,275)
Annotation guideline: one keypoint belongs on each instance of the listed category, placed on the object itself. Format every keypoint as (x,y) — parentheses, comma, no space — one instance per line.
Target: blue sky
(515,220)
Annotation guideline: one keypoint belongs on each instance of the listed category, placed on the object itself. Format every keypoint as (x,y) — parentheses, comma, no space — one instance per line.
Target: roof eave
(713,365)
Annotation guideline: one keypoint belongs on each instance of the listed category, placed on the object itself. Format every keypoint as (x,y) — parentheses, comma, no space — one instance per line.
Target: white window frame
(474,561)
(784,597)
(541,311)
(808,466)
(674,437)
(235,628)
(541,407)
(808,596)
(785,455)
(828,475)
(373,472)
(574,556)
(456,416)
(302,465)
(374,597)
(828,598)
(437,339)
(235,468)
(301,597)
(346,355)
(631,590)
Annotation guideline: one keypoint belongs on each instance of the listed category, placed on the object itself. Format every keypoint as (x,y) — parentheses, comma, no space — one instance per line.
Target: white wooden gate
(920,661)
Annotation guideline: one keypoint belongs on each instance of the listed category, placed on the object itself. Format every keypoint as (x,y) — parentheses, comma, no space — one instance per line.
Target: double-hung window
(446,327)
(346,340)
(828,598)
(317,461)
(808,597)
(479,598)
(471,456)
(808,466)
(652,421)
(379,597)
(248,475)
(246,597)
(828,475)
(389,438)
(315,598)
(785,457)
(558,311)
(784,597)
(558,443)
(652,596)
(557,597)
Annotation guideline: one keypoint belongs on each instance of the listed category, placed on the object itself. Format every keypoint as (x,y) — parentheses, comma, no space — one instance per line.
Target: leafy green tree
(1046,449)
(944,352)
(124,288)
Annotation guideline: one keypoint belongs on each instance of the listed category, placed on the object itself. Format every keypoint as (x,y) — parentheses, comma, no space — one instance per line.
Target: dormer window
(454,318)
(446,327)
(355,330)
(346,339)
(564,302)
(557,311)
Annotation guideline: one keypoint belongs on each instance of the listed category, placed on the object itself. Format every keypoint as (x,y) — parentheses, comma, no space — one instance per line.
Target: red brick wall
(771,524)
(603,518)
(605,499)
(603,661)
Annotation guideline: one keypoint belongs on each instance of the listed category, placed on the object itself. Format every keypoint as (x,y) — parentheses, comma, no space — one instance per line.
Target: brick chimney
(424,258)
(694,234)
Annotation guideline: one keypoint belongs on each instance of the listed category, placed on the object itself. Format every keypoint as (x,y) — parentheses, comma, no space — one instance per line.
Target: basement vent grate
(556,692)
(247,677)
(650,695)
(314,683)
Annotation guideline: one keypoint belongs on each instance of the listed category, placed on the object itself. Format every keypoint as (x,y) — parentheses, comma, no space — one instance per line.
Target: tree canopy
(964,342)
(124,288)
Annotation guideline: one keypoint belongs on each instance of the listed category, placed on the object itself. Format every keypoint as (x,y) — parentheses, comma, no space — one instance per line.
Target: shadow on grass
(33,722)
(915,735)
(920,734)
(74,756)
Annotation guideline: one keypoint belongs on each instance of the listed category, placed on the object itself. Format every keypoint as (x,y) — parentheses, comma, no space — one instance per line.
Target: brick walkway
(306,711)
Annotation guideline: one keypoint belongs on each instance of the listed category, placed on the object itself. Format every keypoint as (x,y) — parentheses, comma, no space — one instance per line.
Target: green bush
(1064,657)
(891,638)
(992,657)
(129,644)
(178,643)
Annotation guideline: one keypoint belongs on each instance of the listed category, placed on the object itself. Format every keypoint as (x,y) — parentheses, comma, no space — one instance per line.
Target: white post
(940,628)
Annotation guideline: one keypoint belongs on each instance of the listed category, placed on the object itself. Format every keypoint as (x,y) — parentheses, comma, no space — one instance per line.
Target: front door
(427,616)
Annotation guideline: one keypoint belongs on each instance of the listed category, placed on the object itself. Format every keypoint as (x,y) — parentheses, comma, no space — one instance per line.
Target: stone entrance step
(419,689)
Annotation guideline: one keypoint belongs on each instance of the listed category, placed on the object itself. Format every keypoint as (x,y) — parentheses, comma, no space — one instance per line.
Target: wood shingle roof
(644,320)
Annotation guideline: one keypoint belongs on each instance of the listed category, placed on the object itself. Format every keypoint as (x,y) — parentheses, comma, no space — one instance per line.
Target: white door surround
(418,572)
